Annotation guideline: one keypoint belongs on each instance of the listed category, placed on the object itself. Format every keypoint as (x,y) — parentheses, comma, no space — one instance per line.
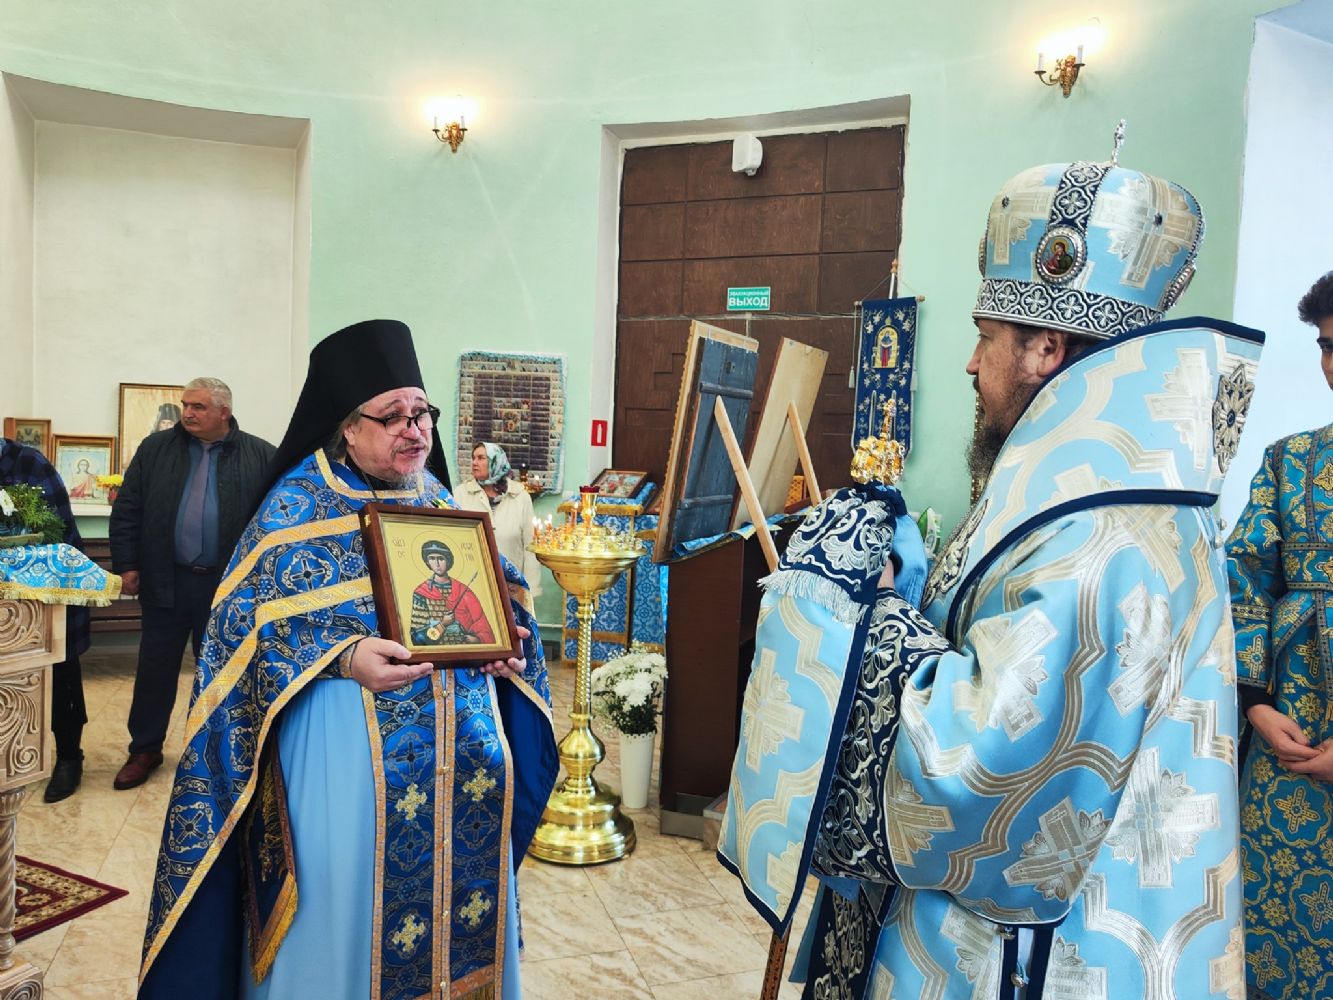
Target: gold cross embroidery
(477,907)
(1252,656)
(410,802)
(408,933)
(1297,810)
(478,785)
(1319,906)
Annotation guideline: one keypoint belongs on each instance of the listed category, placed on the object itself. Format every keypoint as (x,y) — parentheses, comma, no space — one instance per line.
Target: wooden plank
(797,427)
(747,487)
(797,373)
(654,174)
(753,227)
(133,624)
(687,504)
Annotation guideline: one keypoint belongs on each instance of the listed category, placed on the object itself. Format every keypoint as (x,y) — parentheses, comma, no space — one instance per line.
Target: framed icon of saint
(438,584)
(619,483)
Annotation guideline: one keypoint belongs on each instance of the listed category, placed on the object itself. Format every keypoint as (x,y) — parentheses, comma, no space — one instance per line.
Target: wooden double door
(819,224)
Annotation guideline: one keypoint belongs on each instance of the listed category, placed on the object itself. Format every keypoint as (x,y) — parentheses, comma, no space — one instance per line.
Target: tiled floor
(667,923)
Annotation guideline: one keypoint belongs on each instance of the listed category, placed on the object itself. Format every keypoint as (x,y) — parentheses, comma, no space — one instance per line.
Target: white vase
(636,769)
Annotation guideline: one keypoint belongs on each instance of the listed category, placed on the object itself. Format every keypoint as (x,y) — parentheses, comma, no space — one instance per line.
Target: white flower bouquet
(627,691)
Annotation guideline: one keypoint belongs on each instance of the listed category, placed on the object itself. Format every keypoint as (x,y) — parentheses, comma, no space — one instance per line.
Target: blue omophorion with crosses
(887,331)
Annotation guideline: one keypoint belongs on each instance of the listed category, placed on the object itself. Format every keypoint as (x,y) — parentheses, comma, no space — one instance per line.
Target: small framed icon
(619,482)
(33,432)
(80,460)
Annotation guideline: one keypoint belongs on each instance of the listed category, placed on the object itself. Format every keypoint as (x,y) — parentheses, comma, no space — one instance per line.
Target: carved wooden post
(32,637)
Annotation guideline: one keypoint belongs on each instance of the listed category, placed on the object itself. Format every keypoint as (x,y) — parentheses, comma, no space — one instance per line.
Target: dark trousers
(161,646)
(68,713)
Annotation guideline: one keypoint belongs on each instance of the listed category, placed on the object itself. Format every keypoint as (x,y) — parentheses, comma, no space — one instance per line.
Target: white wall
(16,182)
(301,225)
(158,259)
(1286,236)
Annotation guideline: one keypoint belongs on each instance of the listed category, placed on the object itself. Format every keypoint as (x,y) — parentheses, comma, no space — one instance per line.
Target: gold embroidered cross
(477,907)
(1252,656)
(1297,810)
(1319,906)
(410,802)
(478,785)
(408,933)
(1265,966)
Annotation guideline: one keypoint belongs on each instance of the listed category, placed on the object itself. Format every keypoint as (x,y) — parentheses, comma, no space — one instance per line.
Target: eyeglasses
(397,423)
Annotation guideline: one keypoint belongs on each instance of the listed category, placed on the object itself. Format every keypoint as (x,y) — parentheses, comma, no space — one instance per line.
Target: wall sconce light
(1065,71)
(449,117)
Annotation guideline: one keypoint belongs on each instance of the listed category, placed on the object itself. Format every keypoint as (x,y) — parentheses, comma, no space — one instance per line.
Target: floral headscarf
(498,463)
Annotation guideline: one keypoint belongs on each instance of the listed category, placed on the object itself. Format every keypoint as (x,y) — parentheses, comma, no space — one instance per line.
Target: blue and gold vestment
(1281,568)
(1047,754)
(460,765)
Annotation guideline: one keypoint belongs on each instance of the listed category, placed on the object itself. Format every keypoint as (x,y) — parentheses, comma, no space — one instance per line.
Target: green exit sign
(748,299)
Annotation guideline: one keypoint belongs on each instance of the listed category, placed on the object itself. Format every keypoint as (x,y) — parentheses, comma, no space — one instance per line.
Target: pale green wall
(497,245)
(16,179)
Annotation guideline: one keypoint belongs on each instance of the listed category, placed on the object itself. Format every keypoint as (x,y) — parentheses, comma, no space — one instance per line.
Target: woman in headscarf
(493,490)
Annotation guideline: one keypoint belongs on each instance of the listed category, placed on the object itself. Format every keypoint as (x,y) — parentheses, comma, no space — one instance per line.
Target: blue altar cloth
(55,574)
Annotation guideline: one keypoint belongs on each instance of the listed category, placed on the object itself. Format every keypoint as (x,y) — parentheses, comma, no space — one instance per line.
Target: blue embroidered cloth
(884,368)
(693,548)
(55,574)
(808,650)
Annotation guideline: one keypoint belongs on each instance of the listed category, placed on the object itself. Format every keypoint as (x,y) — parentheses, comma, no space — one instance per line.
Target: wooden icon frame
(396,537)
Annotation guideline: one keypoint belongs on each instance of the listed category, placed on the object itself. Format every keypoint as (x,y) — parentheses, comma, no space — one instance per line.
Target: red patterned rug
(47,896)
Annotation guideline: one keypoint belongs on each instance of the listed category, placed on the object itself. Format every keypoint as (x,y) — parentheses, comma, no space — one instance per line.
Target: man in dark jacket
(188,494)
(29,467)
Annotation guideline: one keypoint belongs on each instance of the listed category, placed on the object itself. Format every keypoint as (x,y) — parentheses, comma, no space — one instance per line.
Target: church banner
(884,360)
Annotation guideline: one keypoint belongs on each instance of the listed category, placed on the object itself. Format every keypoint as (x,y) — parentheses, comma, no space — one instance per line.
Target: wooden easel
(777,945)
(748,493)
(794,382)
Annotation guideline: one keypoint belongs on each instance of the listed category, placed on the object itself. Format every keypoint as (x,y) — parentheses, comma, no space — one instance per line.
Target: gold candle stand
(582,823)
